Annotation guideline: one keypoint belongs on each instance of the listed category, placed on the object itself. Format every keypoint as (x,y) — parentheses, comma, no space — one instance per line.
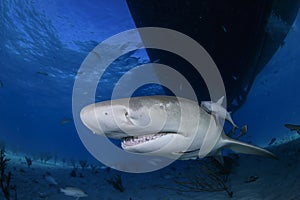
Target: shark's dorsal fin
(220,101)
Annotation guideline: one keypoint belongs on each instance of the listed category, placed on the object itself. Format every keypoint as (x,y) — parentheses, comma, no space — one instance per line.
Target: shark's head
(105,119)
(144,125)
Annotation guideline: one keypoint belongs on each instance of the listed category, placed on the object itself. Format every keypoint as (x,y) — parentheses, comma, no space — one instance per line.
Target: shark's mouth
(135,140)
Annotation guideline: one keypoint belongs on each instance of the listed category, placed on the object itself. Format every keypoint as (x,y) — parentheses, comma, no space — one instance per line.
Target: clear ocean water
(42,46)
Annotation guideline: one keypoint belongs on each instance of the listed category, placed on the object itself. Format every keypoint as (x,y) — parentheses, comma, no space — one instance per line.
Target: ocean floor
(248,177)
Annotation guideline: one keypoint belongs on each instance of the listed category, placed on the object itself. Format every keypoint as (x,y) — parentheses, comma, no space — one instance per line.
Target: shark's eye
(126,114)
(105,113)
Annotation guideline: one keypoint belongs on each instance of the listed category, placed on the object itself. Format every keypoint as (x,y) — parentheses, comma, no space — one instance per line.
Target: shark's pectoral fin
(245,148)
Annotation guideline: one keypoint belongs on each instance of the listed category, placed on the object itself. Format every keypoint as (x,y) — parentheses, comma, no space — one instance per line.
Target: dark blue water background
(43,44)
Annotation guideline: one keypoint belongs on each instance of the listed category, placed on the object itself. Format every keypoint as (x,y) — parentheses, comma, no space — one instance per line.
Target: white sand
(278,179)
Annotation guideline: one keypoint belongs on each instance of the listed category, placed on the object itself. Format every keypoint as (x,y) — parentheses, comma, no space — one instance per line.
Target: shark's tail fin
(242,147)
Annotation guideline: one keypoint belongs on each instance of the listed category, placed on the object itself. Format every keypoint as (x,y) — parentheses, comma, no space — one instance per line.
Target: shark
(293,127)
(217,110)
(167,126)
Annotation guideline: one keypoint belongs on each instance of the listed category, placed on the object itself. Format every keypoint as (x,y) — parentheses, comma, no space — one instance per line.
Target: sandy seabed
(276,179)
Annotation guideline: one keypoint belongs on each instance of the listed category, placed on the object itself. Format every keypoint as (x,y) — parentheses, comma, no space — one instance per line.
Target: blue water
(53,37)
(274,97)
(43,44)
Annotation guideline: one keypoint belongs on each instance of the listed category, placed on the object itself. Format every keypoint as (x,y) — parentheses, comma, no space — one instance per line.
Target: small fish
(251,179)
(243,132)
(73,192)
(293,127)
(50,180)
(217,109)
(156,61)
(224,28)
(42,73)
(64,121)
(272,141)
(231,133)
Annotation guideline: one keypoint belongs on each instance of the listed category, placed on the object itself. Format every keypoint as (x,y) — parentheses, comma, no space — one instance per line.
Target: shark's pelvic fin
(241,147)
(219,157)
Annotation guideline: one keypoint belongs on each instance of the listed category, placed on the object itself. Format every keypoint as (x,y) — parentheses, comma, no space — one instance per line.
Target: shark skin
(218,110)
(163,126)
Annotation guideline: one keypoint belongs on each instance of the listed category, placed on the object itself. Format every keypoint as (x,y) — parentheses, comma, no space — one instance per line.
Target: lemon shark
(167,126)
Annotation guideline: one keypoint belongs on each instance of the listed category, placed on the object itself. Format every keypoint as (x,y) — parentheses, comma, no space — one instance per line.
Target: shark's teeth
(131,141)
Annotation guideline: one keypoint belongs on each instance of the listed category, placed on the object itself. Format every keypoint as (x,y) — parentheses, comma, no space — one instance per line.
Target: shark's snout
(89,119)
(113,121)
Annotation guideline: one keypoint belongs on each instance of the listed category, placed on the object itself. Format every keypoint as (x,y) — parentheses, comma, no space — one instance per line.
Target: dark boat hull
(240,36)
